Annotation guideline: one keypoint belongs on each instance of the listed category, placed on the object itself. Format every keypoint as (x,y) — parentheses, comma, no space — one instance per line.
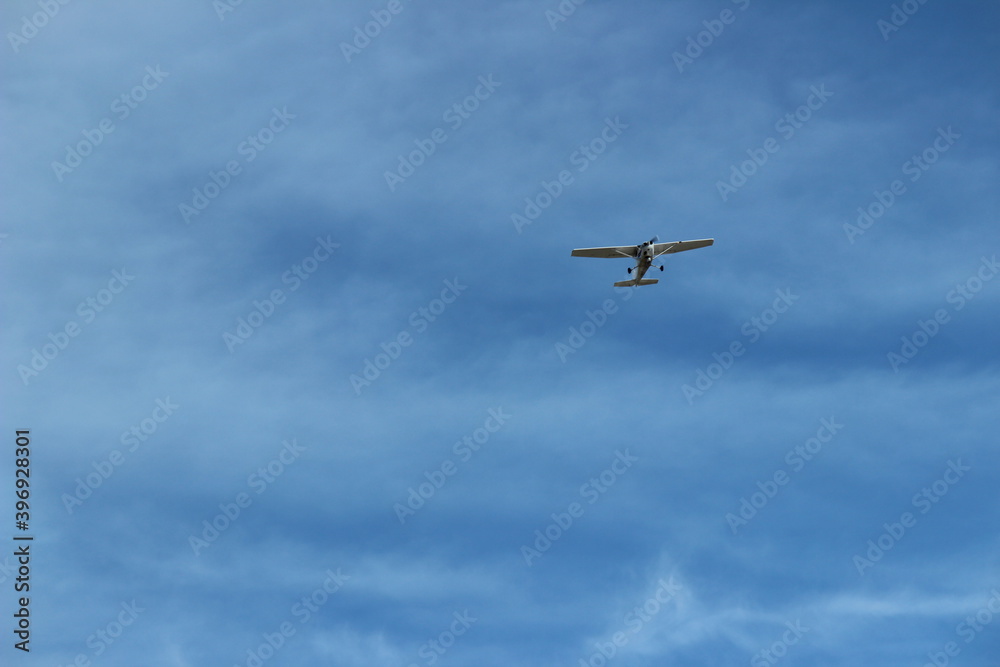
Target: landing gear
(661,267)
(630,270)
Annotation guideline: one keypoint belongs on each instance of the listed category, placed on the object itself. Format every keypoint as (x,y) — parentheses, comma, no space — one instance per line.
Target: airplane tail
(636,283)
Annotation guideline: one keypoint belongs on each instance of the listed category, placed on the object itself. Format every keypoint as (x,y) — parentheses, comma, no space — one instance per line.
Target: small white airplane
(644,255)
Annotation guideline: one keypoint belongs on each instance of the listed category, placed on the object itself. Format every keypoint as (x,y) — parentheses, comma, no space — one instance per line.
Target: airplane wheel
(661,268)
(630,270)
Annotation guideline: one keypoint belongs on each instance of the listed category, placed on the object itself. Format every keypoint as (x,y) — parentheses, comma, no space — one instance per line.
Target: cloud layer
(311,376)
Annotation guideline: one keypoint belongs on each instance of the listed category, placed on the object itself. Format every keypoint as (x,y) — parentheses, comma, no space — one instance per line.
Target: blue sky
(310,380)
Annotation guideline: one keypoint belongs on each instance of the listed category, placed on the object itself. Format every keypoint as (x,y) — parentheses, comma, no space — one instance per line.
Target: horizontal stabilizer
(636,283)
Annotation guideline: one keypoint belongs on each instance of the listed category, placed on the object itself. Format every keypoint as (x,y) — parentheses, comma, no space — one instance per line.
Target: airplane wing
(610,251)
(678,246)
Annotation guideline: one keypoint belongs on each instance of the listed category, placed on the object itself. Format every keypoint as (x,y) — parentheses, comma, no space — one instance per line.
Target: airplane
(644,255)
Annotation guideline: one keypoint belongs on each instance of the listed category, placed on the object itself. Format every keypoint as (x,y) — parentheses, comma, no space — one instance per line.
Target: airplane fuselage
(643,259)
